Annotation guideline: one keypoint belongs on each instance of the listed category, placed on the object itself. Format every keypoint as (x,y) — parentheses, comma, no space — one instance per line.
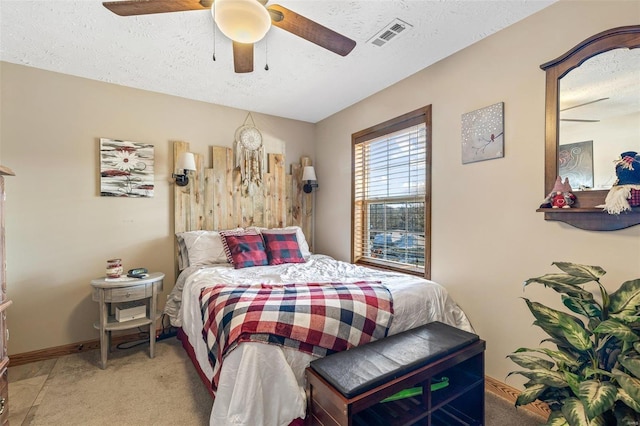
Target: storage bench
(346,388)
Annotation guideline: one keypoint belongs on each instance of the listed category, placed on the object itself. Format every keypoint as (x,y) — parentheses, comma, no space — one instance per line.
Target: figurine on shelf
(560,197)
(625,193)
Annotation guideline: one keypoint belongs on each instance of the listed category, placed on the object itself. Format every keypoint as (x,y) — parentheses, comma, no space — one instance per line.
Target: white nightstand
(109,294)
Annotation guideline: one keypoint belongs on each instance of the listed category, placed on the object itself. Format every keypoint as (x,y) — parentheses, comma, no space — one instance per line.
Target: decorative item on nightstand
(138,273)
(114,268)
(309,176)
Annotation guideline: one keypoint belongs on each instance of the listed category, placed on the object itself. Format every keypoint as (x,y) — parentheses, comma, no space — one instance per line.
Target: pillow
(282,247)
(198,248)
(302,242)
(245,248)
(183,254)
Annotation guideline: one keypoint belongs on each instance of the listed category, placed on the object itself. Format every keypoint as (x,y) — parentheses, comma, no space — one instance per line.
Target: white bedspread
(263,384)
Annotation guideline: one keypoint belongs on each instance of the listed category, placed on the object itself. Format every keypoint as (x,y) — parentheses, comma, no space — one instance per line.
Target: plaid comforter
(317,318)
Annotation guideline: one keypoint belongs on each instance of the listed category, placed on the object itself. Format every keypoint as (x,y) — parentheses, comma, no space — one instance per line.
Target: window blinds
(389,197)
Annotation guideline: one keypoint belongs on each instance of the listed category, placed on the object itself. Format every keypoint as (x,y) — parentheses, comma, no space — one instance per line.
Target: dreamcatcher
(249,155)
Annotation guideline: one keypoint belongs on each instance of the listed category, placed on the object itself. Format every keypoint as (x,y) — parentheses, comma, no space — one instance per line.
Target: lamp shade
(309,173)
(186,161)
(243,21)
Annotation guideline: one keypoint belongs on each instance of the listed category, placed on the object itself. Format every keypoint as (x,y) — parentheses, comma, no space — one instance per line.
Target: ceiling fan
(238,12)
(579,120)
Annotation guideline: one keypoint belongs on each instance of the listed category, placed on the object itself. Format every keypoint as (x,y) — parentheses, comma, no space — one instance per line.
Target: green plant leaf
(563,283)
(574,382)
(626,317)
(550,317)
(575,412)
(627,295)
(630,363)
(542,376)
(588,308)
(576,335)
(530,394)
(629,384)
(557,338)
(584,271)
(628,313)
(589,371)
(617,329)
(597,397)
(636,346)
(598,421)
(593,323)
(556,418)
(627,400)
(561,359)
(531,362)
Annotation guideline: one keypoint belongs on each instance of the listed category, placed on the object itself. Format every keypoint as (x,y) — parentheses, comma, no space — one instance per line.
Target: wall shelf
(593,219)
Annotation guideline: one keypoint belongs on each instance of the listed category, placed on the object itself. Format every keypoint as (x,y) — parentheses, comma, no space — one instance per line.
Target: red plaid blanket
(317,318)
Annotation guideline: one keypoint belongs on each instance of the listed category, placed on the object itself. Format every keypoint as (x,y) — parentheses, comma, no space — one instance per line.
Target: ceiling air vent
(389,32)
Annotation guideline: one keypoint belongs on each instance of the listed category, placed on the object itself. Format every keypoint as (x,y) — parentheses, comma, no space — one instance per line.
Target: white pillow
(198,248)
(302,241)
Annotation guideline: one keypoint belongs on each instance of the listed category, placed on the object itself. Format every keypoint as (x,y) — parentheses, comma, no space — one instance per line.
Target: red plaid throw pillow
(244,249)
(282,248)
(634,198)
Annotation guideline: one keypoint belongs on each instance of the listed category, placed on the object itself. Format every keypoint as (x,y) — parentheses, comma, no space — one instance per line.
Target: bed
(263,384)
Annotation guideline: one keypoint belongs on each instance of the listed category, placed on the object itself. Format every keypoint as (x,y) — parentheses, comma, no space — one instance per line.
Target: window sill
(383,266)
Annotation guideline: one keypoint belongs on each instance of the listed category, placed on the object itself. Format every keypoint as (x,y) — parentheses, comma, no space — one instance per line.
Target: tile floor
(26,388)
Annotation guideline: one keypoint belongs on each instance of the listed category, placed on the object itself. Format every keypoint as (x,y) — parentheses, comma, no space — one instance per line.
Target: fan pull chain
(266,53)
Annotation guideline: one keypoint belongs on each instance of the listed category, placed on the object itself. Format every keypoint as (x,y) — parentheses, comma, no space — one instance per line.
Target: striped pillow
(244,248)
(282,247)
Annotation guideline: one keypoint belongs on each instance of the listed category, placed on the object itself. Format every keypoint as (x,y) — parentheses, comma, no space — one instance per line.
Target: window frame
(419,116)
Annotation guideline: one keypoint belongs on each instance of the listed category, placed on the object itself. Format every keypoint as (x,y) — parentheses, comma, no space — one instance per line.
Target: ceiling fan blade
(242,57)
(309,30)
(146,7)
(579,120)
(583,104)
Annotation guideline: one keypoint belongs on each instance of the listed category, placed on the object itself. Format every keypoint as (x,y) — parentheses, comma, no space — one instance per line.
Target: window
(391,187)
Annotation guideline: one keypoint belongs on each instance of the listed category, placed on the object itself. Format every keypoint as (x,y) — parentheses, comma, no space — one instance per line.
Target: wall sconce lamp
(309,175)
(186,161)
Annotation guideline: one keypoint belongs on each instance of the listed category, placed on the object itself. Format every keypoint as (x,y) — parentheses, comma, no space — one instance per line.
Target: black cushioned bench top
(365,367)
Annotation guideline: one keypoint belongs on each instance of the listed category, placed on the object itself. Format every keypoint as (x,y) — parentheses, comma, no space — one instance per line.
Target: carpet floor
(137,390)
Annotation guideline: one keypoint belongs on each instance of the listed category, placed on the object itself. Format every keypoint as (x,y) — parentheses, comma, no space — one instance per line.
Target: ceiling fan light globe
(243,21)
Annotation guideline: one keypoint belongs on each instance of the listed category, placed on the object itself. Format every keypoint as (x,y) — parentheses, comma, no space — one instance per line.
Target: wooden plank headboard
(214,198)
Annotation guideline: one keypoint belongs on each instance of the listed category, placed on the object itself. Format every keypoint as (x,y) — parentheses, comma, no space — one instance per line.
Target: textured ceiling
(172,53)
(604,86)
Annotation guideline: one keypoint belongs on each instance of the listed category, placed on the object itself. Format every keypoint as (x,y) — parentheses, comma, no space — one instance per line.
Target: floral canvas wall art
(483,134)
(126,169)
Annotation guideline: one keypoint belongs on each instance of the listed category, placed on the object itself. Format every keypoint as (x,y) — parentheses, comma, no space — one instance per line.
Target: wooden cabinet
(4,304)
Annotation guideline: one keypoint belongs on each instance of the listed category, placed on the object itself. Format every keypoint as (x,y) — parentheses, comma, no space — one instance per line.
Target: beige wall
(59,230)
(487,236)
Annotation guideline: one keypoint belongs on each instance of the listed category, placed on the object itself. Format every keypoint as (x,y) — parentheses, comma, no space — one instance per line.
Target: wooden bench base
(460,403)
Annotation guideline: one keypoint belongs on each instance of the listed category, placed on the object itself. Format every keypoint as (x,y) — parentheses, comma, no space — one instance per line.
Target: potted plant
(592,376)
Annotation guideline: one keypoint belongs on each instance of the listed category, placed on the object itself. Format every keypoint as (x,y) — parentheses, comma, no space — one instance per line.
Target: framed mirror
(592,116)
